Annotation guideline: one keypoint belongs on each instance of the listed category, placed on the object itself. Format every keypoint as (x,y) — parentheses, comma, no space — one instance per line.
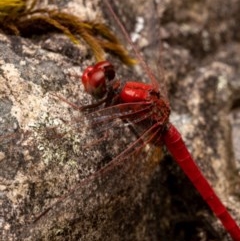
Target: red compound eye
(108,69)
(85,76)
(94,78)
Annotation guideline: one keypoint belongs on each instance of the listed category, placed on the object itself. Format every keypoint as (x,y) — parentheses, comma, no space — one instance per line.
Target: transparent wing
(73,167)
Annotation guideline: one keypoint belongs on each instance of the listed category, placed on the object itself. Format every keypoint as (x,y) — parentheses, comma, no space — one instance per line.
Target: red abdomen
(175,145)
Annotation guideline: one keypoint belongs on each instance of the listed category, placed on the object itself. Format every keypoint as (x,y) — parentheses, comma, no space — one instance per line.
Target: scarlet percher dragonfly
(143,105)
(139,102)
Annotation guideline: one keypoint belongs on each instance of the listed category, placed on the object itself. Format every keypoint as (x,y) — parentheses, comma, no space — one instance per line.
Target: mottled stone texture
(44,154)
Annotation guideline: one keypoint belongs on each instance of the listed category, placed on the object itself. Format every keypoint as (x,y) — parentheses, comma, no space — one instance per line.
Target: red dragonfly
(142,106)
(140,103)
